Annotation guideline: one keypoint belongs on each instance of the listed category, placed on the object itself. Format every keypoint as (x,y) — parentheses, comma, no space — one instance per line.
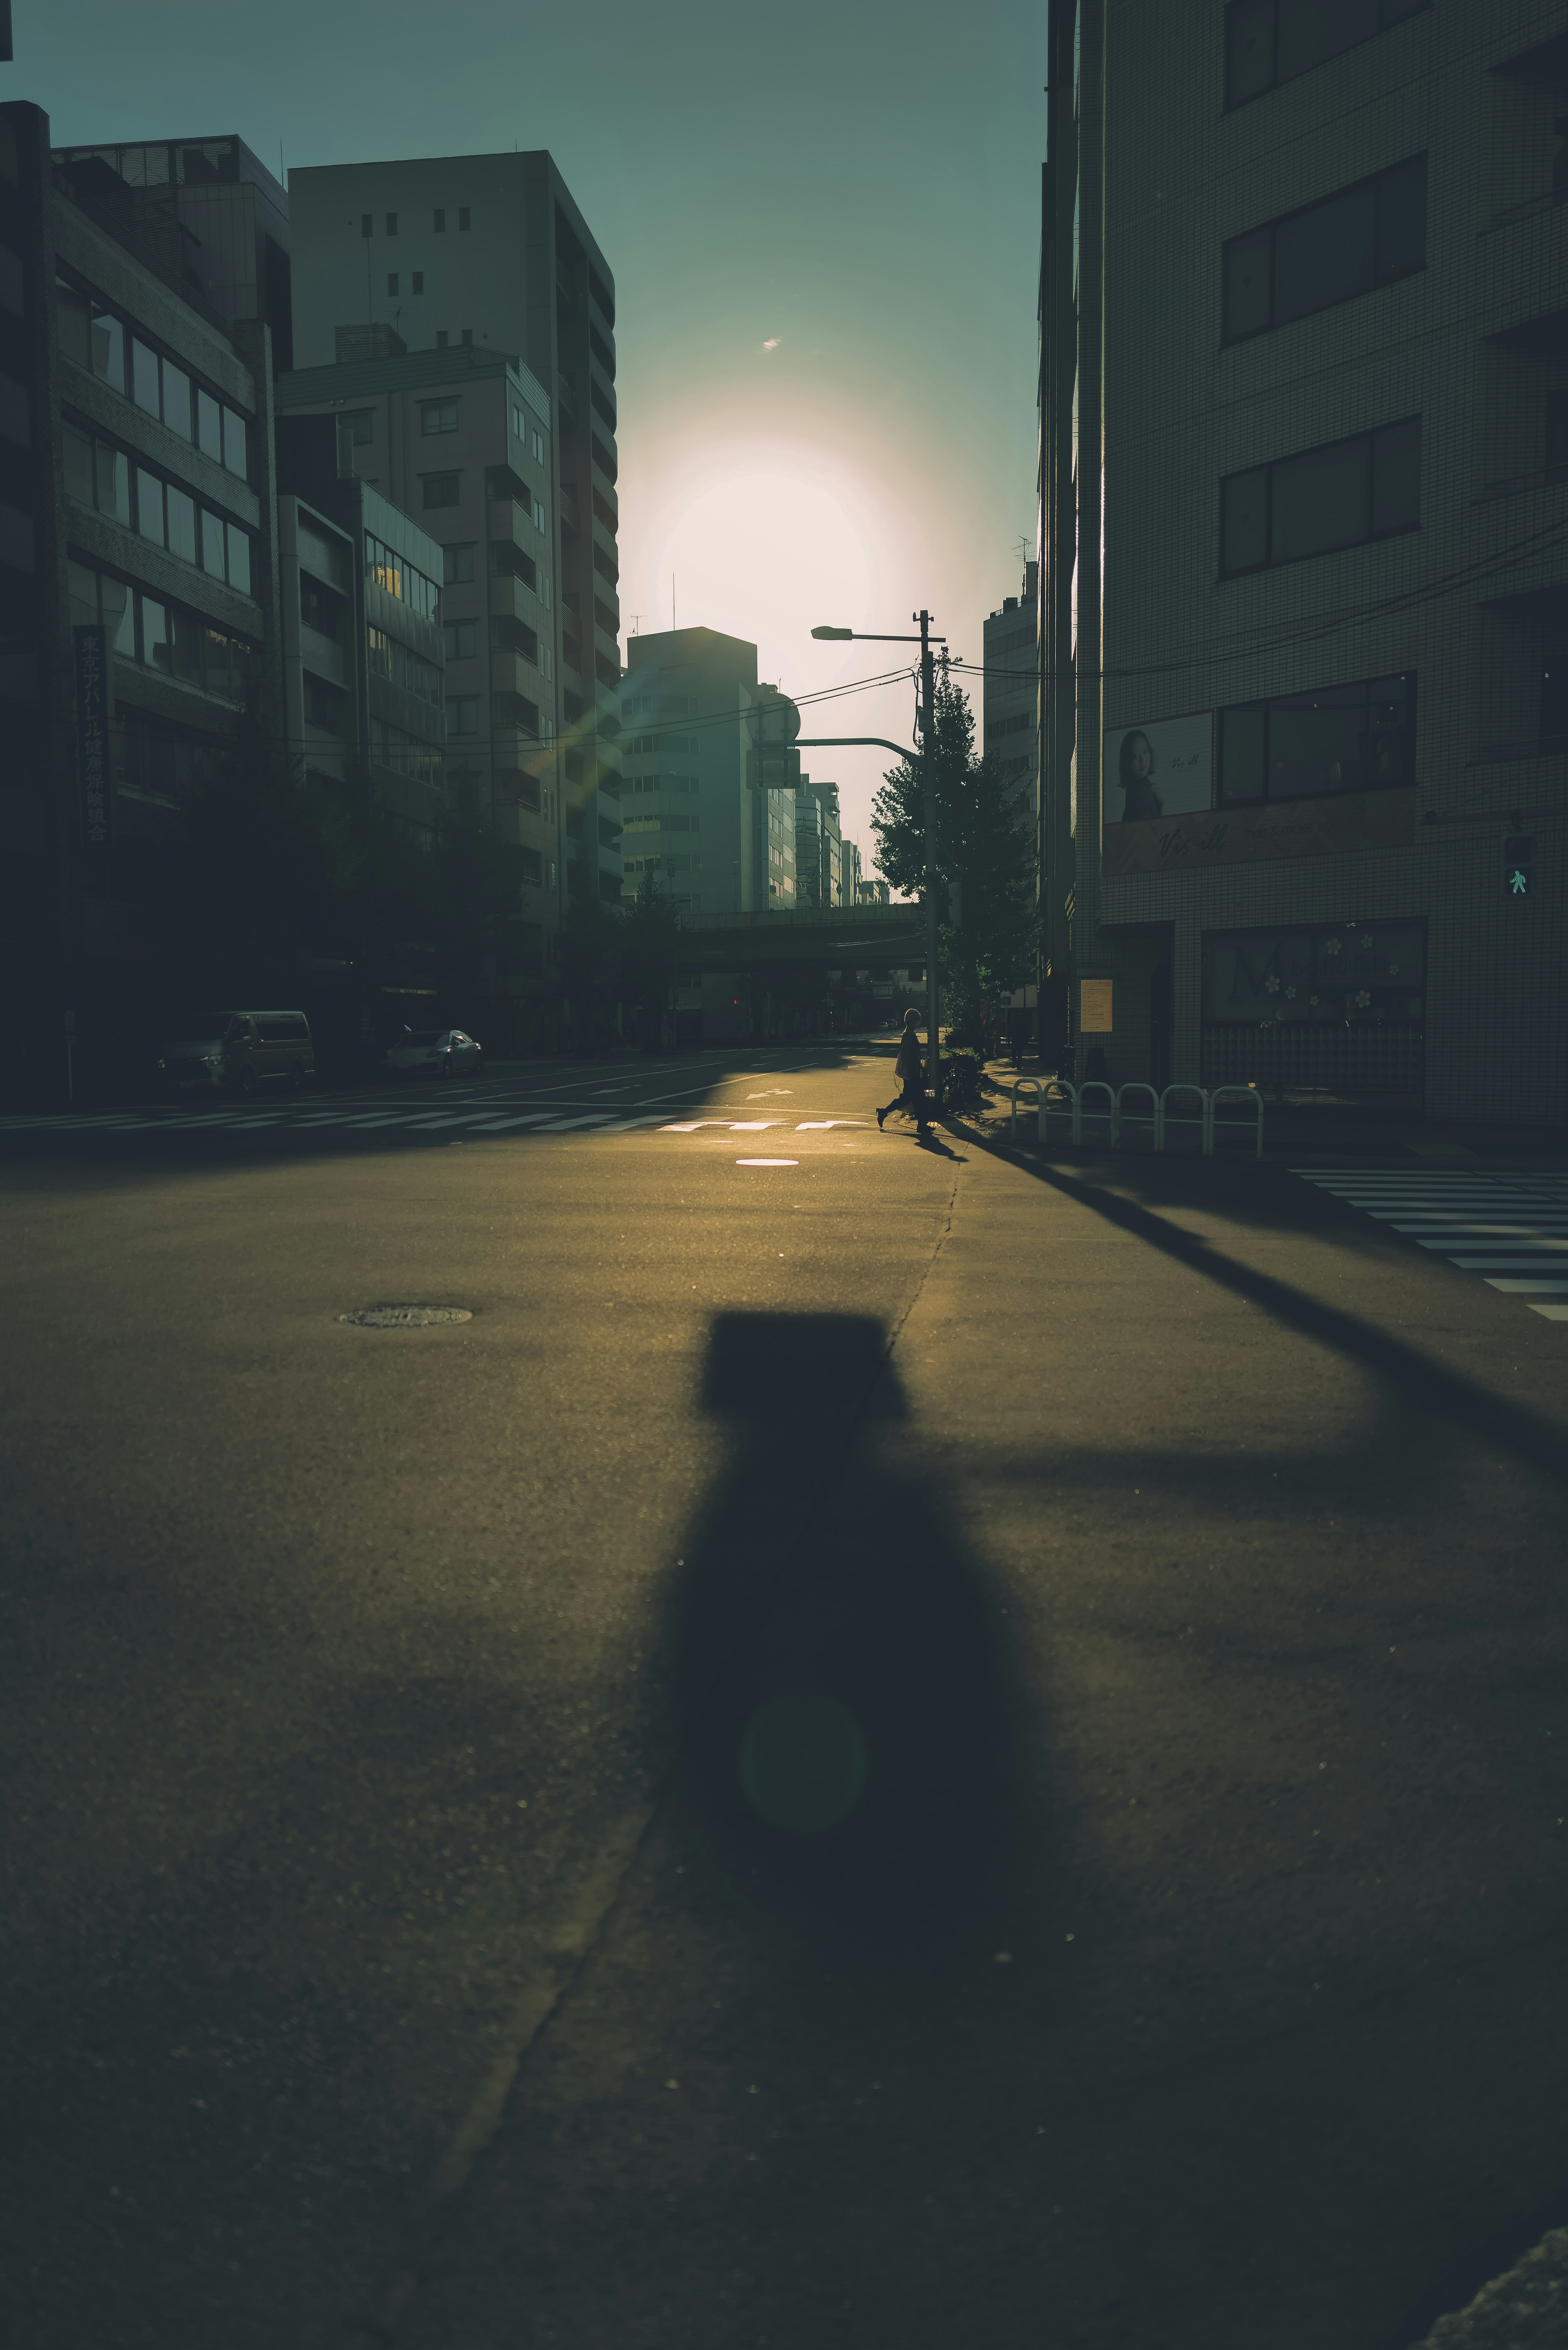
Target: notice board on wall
(1094,1006)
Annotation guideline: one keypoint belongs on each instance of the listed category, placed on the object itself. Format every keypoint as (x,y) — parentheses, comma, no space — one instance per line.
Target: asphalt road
(885,1746)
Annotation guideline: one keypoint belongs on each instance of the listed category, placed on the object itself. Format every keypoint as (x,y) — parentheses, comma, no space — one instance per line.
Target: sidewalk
(1295,1132)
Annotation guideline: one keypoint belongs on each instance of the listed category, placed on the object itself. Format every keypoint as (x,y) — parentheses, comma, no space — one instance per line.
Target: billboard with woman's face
(1163,767)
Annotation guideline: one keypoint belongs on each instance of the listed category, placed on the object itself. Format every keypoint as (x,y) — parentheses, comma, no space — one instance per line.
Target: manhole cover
(404,1317)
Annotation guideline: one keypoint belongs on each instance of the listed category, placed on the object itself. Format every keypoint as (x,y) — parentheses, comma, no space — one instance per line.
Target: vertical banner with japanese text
(92,735)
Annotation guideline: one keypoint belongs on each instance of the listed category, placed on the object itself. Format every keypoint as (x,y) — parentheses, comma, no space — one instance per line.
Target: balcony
(567,504)
(512,599)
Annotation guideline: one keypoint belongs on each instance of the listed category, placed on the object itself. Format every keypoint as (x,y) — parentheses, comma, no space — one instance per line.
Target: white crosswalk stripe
(1513,1227)
(492,1117)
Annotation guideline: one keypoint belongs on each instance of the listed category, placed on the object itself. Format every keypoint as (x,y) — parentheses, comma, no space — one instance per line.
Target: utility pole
(928,767)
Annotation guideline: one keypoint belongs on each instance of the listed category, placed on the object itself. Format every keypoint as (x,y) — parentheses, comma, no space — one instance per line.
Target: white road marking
(1524,1218)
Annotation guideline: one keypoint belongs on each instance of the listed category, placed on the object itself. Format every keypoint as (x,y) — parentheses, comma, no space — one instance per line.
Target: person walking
(907,1069)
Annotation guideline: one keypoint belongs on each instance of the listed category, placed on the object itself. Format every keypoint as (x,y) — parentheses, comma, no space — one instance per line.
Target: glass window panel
(1248,48)
(1319,500)
(1315,745)
(109,347)
(1312,30)
(458,561)
(82,586)
(213,558)
(185,645)
(1324,256)
(236,452)
(144,377)
(73,322)
(177,399)
(149,505)
(1243,743)
(209,427)
(1402,219)
(119,616)
(78,453)
(221,671)
(1397,476)
(113,470)
(1247,284)
(239,559)
(1244,540)
(154,634)
(181,515)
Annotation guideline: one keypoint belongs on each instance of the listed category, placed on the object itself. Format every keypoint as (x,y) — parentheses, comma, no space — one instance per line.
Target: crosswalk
(1513,1229)
(488,1117)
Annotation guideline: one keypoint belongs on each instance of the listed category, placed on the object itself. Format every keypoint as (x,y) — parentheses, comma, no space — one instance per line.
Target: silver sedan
(434,1052)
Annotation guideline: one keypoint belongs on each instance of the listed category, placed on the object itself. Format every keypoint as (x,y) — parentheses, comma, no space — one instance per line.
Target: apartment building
(690,812)
(486,258)
(363,642)
(818,845)
(1303,466)
(460,441)
(1009,718)
(139,592)
(214,214)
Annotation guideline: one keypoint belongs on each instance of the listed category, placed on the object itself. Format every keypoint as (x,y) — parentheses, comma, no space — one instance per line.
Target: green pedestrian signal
(1518,865)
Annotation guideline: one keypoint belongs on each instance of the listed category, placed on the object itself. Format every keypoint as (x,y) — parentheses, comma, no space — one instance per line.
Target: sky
(824,223)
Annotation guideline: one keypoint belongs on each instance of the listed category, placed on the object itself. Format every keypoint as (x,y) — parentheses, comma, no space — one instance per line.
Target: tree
(983,844)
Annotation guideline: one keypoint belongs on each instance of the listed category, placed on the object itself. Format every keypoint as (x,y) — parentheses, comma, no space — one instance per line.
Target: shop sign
(1163,768)
(1240,835)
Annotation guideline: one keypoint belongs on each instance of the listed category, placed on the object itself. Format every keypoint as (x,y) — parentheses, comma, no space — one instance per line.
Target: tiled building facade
(1305,286)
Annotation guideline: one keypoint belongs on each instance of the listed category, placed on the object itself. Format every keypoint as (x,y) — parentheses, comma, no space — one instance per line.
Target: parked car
(208,1052)
(443,1052)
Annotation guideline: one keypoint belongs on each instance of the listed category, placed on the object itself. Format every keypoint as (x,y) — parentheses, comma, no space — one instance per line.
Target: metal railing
(1058,1097)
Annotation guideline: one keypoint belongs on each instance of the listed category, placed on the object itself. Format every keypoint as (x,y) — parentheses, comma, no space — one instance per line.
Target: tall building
(461,439)
(1009,728)
(211,212)
(139,639)
(819,850)
(690,812)
(1303,460)
(487,258)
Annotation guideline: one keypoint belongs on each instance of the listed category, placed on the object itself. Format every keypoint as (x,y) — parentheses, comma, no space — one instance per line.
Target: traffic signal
(1518,866)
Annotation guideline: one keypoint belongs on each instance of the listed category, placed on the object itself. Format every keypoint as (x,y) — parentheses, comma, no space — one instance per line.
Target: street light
(928,767)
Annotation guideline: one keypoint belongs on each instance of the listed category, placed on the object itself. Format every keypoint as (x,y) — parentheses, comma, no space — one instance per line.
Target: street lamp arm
(839,741)
(873,636)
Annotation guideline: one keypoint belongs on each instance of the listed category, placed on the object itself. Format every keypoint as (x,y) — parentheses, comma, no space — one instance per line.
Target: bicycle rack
(1168,1117)
(1248,1094)
(1154,1114)
(1012,1113)
(1099,1085)
(1049,1105)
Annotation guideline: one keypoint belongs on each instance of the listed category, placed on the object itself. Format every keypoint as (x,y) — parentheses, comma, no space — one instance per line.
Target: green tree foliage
(983,844)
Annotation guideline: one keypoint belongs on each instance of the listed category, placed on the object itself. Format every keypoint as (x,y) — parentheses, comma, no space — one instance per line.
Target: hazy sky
(824,224)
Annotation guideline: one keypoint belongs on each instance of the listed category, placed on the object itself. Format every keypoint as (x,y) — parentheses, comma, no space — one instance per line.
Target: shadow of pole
(841,1698)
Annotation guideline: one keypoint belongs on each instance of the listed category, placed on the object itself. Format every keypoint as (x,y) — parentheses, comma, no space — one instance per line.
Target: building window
(440,338)
(394,577)
(418,281)
(437,416)
(323,706)
(391,281)
(462,217)
(440,217)
(358,427)
(388,657)
(462,714)
(531,866)
(391,223)
(462,638)
(1362,237)
(1347,494)
(441,489)
(364,223)
(1340,738)
(468,333)
(457,564)
(320,609)
(1271,41)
